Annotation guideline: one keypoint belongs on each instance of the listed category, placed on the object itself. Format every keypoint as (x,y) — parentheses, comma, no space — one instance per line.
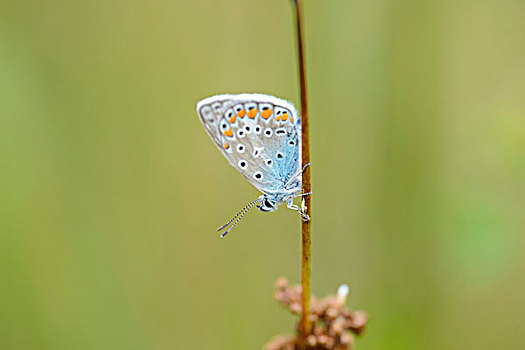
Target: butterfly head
(267,204)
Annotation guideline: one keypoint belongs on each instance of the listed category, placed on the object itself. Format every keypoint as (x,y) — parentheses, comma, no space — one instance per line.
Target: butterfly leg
(302,194)
(298,179)
(292,206)
(304,167)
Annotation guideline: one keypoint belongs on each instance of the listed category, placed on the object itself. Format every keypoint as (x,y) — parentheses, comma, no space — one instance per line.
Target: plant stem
(305,325)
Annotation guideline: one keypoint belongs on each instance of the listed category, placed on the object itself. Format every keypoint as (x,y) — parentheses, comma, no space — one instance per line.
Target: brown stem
(305,325)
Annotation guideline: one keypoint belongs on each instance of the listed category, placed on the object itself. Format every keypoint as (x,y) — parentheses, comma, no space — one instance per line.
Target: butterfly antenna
(241,213)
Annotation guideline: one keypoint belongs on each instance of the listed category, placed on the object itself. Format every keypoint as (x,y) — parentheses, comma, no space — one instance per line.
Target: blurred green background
(110,190)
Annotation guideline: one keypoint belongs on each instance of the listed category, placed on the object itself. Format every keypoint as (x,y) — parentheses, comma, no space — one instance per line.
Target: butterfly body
(260,136)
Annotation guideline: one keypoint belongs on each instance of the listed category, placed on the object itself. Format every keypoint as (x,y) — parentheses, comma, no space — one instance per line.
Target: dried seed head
(311,340)
(280,343)
(333,325)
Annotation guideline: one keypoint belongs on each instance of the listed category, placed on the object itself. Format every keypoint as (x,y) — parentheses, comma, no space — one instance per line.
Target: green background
(110,190)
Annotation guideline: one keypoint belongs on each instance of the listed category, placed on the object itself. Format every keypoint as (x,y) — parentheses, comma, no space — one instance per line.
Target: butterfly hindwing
(260,135)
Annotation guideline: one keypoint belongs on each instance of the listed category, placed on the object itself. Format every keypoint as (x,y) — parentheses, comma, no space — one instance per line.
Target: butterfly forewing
(259,135)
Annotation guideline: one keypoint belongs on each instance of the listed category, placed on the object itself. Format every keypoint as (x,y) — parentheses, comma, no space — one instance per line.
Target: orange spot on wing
(252,113)
(241,113)
(232,119)
(284,117)
(266,113)
(291,119)
(277,118)
(228,133)
(226,146)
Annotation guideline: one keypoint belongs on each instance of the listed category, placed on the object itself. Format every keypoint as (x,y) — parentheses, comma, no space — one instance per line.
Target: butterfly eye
(268,132)
(240,148)
(242,164)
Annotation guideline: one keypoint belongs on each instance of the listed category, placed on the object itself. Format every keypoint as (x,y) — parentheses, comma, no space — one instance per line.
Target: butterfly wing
(259,134)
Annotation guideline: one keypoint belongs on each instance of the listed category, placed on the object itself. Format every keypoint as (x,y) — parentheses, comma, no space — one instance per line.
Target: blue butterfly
(260,135)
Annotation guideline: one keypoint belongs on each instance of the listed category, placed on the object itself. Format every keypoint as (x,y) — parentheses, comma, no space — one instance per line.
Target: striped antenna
(237,216)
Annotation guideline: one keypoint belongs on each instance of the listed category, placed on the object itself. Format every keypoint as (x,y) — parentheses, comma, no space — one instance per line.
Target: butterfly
(260,135)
